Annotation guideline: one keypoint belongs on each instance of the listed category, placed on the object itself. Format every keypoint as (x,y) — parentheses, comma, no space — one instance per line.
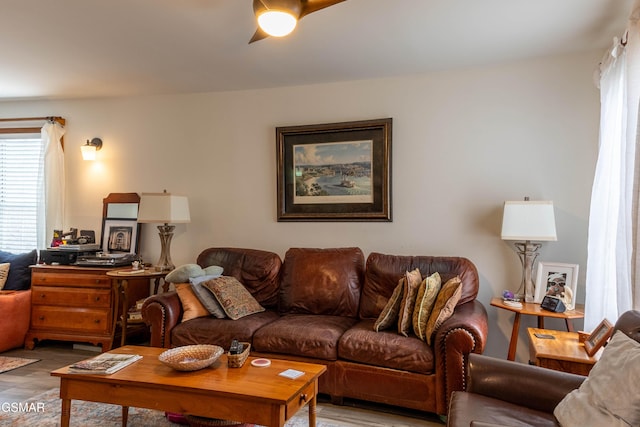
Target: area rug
(10,363)
(43,410)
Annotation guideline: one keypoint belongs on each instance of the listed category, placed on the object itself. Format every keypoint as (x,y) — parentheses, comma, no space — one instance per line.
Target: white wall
(463,142)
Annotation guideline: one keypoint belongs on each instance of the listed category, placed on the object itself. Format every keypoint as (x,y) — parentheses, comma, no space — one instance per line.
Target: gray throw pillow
(205,296)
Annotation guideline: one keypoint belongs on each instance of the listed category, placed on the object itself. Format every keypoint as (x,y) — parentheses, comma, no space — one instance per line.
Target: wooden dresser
(76,304)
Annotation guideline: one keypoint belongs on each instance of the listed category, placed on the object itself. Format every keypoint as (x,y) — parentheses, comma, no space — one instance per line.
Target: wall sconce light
(89,149)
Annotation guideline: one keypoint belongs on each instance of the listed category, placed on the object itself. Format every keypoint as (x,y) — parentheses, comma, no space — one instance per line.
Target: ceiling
(89,48)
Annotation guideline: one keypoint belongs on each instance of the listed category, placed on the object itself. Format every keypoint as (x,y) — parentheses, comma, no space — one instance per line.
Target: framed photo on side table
(598,337)
(335,171)
(557,280)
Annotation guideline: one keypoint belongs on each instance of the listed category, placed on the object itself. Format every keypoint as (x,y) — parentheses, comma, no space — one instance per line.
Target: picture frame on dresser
(334,171)
(558,280)
(120,236)
(120,227)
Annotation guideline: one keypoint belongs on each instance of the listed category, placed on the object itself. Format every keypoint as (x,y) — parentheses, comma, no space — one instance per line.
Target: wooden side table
(120,281)
(562,353)
(535,310)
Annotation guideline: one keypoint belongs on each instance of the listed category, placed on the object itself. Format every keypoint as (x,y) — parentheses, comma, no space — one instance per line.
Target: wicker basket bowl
(191,357)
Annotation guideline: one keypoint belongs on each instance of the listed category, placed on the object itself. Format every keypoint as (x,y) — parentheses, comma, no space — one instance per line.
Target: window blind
(19,170)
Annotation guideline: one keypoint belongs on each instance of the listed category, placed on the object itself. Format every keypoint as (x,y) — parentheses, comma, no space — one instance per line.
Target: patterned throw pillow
(425,301)
(191,306)
(4,273)
(446,302)
(405,318)
(389,315)
(234,298)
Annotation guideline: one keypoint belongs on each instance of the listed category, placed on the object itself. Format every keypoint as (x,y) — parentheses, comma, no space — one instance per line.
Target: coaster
(261,363)
(515,304)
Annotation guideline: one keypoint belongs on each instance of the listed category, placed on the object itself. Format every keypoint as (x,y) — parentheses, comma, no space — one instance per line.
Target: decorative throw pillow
(191,306)
(4,273)
(235,299)
(205,296)
(443,308)
(609,396)
(389,315)
(19,277)
(427,294)
(411,286)
(183,273)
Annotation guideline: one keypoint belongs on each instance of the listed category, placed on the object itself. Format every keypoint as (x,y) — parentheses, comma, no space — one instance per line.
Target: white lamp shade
(88,152)
(529,220)
(164,208)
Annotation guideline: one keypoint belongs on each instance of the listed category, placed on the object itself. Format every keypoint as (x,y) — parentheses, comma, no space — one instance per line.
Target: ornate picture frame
(335,171)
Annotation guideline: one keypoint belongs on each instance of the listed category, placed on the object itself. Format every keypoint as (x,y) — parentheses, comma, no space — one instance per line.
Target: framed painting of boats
(335,171)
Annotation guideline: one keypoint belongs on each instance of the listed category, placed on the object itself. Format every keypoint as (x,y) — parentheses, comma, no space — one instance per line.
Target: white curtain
(611,221)
(51,184)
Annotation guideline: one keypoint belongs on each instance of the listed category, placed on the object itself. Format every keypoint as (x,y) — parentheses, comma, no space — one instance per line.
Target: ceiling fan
(279,17)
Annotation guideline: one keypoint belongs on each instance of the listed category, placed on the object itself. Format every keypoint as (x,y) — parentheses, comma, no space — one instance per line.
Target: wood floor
(22,383)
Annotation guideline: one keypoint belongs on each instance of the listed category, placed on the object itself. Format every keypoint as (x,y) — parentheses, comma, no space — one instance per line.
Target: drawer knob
(303,398)
(97,298)
(97,321)
(41,318)
(43,295)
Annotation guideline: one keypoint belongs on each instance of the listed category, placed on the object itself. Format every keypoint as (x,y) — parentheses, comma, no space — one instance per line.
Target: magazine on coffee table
(105,363)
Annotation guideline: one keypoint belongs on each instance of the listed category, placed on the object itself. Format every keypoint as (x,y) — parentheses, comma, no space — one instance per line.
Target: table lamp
(528,221)
(164,208)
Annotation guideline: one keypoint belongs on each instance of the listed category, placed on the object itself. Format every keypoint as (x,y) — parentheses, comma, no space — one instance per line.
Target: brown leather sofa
(321,305)
(504,393)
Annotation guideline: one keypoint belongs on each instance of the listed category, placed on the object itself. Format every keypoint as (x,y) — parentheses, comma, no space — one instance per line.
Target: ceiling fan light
(277,23)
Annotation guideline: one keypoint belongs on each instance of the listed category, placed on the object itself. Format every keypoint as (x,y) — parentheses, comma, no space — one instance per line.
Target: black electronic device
(554,304)
(64,256)
(236,347)
(106,260)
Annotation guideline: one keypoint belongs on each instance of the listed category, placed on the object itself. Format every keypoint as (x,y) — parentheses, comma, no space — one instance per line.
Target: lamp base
(527,252)
(166,234)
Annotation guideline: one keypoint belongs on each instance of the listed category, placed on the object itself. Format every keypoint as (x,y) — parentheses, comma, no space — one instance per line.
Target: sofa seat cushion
(313,336)
(464,408)
(387,349)
(209,330)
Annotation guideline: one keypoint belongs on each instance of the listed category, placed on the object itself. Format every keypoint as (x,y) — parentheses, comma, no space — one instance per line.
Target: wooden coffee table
(247,394)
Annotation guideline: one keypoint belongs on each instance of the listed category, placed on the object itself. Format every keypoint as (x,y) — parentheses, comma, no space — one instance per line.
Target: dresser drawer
(70,319)
(70,279)
(71,297)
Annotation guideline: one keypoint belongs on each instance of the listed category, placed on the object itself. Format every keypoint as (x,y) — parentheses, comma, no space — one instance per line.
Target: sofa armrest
(534,387)
(463,333)
(162,312)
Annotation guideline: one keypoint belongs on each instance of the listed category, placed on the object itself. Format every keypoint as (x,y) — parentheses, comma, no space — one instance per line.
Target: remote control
(234,349)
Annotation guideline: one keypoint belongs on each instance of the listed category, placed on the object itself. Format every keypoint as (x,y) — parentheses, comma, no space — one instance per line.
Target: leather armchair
(505,393)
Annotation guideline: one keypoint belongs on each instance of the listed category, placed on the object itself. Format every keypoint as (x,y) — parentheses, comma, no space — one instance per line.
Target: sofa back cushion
(257,270)
(322,281)
(383,271)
